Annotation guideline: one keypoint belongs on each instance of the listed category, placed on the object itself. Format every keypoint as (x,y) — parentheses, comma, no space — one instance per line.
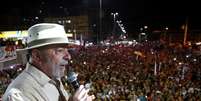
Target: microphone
(72,79)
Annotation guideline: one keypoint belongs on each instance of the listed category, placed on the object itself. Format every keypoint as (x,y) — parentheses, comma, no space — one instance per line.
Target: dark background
(133,13)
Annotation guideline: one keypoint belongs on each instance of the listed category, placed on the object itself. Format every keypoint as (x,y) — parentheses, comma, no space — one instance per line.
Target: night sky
(133,13)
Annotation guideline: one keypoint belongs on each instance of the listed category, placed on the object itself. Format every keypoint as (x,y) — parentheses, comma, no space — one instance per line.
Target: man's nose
(67,56)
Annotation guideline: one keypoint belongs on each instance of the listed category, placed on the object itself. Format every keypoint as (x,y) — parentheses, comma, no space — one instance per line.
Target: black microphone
(72,79)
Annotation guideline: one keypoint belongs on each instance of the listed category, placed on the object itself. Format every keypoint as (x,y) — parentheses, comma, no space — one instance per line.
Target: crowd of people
(8,47)
(145,71)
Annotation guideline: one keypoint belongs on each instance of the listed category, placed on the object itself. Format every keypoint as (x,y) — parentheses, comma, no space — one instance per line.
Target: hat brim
(45,42)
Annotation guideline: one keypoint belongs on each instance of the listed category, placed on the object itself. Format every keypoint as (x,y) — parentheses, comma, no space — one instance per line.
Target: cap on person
(43,34)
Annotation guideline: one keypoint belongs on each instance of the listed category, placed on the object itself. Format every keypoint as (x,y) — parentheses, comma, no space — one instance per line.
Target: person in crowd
(19,45)
(47,48)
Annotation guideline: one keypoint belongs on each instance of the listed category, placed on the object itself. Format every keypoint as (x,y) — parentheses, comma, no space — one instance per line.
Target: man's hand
(82,94)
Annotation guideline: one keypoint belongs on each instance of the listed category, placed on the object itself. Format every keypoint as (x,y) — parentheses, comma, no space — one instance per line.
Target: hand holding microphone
(81,93)
(72,79)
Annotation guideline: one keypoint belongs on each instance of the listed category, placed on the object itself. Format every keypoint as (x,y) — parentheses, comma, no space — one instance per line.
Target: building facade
(78,26)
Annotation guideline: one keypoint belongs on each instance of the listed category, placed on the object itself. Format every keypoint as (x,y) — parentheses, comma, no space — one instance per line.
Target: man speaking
(41,79)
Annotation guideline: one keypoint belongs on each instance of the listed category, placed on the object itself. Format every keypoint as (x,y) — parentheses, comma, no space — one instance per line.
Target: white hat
(46,34)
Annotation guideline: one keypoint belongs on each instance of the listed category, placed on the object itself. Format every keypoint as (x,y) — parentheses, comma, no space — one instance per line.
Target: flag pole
(185,32)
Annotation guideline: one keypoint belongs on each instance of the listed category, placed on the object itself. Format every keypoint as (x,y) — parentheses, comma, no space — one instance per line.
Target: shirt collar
(38,75)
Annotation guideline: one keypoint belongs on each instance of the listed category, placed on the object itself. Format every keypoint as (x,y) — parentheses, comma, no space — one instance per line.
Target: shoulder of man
(21,89)
(14,95)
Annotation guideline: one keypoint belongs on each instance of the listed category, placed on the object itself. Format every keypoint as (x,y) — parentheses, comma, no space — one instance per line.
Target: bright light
(84,63)
(71,61)
(130,42)
(166,28)
(119,21)
(114,13)
(68,21)
(187,56)
(145,27)
(20,69)
(198,43)
(11,67)
(9,34)
(124,31)
(69,30)
(36,18)
(143,33)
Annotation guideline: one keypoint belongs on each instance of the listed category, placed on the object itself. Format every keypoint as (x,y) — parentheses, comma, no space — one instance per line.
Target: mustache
(64,62)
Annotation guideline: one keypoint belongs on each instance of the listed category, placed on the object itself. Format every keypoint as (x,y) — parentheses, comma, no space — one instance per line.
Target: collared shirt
(32,85)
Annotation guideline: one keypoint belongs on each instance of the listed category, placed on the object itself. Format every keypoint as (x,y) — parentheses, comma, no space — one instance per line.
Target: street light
(121,26)
(114,18)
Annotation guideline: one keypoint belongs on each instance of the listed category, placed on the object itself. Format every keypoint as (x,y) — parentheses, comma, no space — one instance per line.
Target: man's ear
(36,55)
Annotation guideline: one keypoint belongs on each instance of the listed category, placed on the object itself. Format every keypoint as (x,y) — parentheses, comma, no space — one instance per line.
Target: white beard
(57,69)
(57,72)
